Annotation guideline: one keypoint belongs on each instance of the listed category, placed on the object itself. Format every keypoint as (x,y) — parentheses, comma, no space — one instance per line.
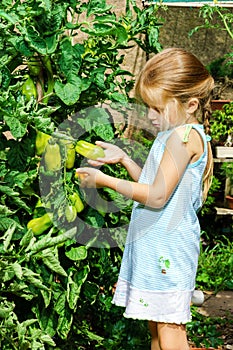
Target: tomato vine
(48,74)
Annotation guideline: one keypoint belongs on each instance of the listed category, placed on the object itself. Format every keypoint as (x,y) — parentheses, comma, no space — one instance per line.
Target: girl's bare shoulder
(190,138)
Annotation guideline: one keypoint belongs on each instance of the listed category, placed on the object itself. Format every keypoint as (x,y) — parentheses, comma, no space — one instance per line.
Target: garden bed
(221,306)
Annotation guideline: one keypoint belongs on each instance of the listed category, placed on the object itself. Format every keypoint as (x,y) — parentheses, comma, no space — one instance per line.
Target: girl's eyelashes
(156,109)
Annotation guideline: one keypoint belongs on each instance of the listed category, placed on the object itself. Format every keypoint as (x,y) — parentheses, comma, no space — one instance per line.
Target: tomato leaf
(70,59)
(69,93)
(20,153)
(51,260)
(97,120)
(78,253)
(35,40)
(75,284)
(15,197)
(17,128)
(94,218)
(97,7)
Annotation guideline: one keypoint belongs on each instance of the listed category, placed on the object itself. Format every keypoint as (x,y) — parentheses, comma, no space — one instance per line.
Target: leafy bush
(204,330)
(219,18)
(219,69)
(57,59)
(208,206)
(221,124)
(215,267)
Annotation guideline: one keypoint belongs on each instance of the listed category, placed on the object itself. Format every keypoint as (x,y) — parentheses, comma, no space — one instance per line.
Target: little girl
(157,276)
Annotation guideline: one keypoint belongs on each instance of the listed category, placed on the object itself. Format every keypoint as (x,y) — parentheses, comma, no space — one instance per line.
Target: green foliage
(76,74)
(204,331)
(227,171)
(56,292)
(210,200)
(221,19)
(57,59)
(28,270)
(221,123)
(210,13)
(214,274)
(215,269)
(220,68)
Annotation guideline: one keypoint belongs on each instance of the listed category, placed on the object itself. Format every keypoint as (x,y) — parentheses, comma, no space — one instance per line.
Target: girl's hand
(113,154)
(89,177)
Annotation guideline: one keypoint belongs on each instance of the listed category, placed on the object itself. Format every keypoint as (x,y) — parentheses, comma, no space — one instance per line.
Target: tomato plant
(49,278)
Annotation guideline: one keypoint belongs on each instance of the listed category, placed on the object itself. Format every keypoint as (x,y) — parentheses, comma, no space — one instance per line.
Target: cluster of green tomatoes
(50,148)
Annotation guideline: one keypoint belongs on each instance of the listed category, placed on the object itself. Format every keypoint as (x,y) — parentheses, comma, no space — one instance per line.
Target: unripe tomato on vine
(76,202)
(41,142)
(69,153)
(29,89)
(52,156)
(40,224)
(34,66)
(88,150)
(70,213)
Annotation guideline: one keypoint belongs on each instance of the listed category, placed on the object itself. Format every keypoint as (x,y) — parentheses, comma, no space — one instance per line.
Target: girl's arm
(176,157)
(114,154)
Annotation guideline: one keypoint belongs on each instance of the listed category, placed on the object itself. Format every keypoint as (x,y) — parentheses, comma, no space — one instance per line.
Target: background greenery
(55,292)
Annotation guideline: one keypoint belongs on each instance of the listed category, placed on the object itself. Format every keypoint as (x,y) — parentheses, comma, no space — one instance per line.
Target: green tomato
(89,150)
(29,89)
(34,66)
(39,225)
(41,142)
(52,156)
(76,202)
(70,213)
(70,153)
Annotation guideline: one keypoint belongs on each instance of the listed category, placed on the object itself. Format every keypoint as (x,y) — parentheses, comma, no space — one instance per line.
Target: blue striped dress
(159,264)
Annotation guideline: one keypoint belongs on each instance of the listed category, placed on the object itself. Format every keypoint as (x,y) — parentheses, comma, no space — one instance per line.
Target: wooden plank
(224,211)
(224,152)
(223,160)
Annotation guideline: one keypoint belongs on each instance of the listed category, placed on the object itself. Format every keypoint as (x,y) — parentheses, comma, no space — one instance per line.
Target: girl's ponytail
(208,173)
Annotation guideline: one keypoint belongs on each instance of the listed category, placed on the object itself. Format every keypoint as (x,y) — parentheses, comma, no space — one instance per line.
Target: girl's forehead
(156,98)
(159,99)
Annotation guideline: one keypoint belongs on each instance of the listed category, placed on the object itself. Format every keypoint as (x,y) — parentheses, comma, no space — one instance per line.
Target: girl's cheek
(151,114)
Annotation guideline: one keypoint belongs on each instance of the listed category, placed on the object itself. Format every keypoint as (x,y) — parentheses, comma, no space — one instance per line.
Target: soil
(220,306)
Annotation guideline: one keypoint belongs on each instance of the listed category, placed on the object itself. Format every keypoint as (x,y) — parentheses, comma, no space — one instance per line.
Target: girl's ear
(193,105)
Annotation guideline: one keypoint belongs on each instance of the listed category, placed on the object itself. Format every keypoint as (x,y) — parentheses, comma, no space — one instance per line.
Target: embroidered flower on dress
(142,302)
(164,264)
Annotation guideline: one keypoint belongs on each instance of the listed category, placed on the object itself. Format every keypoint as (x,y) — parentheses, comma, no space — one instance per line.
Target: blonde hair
(178,74)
